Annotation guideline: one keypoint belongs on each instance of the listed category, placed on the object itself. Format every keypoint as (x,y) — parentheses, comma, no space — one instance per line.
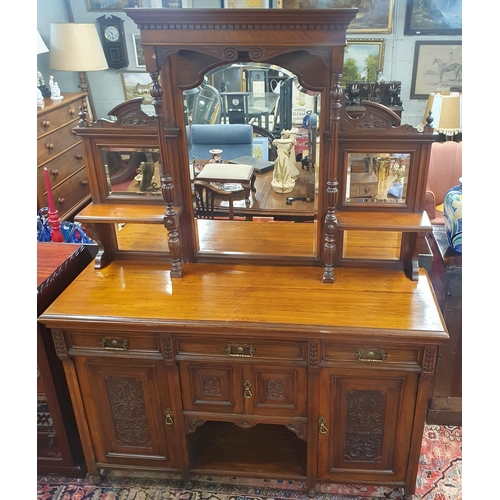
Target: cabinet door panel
(369,422)
(126,404)
(277,391)
(211,387)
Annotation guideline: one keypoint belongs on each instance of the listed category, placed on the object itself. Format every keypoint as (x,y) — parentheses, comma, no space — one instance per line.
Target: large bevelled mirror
(254,114)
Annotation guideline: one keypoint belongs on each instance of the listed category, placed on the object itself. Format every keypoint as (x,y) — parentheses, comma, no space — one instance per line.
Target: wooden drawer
(363,185)
(70,192)
(231,348)
(105,342)
(51,145)
(53,118)
(369,354)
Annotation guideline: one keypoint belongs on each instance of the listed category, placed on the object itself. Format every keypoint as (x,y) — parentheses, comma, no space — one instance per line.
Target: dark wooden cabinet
(59,449)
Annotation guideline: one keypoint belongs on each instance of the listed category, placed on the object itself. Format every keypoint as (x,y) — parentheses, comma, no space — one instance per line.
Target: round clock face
(112,34)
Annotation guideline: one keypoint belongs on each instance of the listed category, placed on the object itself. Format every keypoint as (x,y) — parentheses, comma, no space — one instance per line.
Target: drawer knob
(370,354)
(168,416)
(114,344)
(248,393)
(50,146)
(323,429)
(61,200)
(79,156)
(54,172)
(240,351)
(73,132)
(46,123)
(71,111)
(84,182)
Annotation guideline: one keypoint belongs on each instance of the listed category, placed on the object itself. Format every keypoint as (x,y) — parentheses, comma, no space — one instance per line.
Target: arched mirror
(254,115)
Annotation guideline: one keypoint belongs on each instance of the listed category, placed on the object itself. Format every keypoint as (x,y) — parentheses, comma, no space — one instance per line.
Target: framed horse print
(436,66)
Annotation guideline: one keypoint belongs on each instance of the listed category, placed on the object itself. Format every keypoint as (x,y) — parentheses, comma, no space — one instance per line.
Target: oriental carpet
(439,478)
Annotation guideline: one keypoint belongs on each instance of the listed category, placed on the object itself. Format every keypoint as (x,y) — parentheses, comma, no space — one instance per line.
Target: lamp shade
(446,111)
(40,45)
(76,47)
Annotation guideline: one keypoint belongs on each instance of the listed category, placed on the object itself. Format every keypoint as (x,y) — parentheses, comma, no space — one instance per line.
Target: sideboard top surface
(225,297)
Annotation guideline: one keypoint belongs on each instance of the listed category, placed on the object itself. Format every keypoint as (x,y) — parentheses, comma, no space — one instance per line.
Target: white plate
(234,188)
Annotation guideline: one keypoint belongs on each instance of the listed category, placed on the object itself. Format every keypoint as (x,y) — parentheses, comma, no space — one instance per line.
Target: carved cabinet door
(129,411)
(244,388)
(365,424)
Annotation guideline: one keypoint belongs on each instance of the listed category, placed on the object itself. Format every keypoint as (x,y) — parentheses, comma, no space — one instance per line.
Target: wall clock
(113,41)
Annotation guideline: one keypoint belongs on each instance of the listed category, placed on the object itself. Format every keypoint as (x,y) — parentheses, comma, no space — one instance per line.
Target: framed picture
(171,4)
(247,4)
(433,18)
(137,84)
(111,5)
(140,62)
(363,54)
(374,16)
(436,65)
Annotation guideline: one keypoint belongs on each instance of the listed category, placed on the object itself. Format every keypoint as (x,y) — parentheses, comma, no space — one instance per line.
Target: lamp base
(44,90)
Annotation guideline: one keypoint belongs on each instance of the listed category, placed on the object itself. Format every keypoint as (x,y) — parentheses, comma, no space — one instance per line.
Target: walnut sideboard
(61,152)
(250,370)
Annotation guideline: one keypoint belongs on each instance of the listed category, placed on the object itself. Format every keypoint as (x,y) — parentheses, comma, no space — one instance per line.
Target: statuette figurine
(55,92)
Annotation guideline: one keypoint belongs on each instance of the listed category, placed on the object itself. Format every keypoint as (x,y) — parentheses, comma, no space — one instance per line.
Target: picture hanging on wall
(363,54)
(137,84)
(373,17)
(111,5)
(436,65)
(433,17)
(140,62)
(247,4)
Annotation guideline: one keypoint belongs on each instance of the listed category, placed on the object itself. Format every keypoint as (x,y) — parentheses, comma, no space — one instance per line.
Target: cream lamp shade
(76,47)
(446,111)
(40,45)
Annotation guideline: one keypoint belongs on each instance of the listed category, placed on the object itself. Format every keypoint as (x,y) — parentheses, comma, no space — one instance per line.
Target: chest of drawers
(61,152)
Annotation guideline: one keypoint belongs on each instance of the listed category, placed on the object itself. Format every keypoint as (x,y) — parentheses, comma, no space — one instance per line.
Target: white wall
(107,87)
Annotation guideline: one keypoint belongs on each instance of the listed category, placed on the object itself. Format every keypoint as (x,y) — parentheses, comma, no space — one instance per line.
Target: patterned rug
(439,478)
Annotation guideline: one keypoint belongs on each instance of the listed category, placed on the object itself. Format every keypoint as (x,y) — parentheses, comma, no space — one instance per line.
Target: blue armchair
(235,140)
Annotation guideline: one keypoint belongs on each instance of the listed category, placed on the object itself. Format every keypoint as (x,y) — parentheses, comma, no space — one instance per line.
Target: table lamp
(444,110)
(41,48)
(77,47)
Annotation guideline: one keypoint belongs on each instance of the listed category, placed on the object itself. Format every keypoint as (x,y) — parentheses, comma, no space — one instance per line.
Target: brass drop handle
(370,355)
(50,146)
(114,344)
(54,172)
(79,156)
(84,182)
(240,351)
(323,429)
(248,393)
(168,417)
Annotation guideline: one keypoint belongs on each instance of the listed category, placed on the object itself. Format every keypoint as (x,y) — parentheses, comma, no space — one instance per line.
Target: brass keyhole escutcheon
(323,429)
(248,393)
(168,416)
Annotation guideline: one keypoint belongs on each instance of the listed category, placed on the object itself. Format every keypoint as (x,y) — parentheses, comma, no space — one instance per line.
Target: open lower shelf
(225,448)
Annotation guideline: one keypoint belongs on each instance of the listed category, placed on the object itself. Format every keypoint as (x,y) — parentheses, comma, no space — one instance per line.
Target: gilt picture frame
(137,84)
(436,65)
(361,53)
(430,18)
(247,4)
(373,17)
(111,5)
(140,62)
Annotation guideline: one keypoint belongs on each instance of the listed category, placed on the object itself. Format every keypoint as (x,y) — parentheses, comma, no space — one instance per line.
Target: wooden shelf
(384,221)
(106,213)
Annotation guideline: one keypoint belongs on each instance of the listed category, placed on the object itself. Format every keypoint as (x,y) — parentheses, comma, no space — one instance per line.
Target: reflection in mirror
(377,178)
(363,245)
(132,170)
(247,110)
(142,238)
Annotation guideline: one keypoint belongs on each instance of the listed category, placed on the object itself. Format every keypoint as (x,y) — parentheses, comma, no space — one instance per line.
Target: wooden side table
(445,404)
(230,173)
(59,450)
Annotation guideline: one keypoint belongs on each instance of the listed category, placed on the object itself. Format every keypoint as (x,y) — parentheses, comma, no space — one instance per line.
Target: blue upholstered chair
(235,140)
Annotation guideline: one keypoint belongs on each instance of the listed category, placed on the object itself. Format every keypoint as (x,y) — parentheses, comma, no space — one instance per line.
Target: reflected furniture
(213,342)
(235,107)
(205,194)
(207,106)
(445,170)
(234,139)
(61,152)
(59,449)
